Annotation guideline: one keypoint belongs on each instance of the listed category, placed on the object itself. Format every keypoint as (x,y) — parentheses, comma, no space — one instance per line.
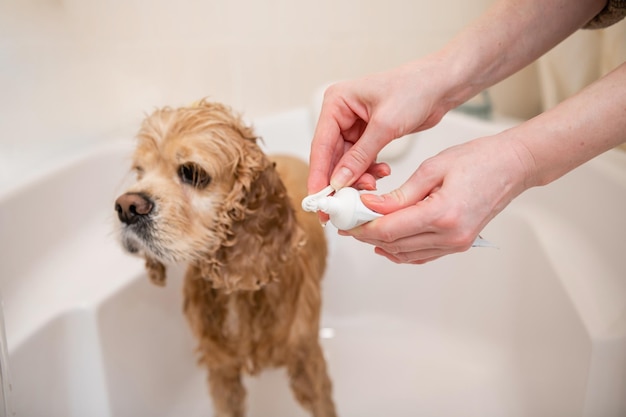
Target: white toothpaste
(346,210)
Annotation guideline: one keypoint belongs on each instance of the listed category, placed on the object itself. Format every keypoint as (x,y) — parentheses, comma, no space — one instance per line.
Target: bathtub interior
(537,327)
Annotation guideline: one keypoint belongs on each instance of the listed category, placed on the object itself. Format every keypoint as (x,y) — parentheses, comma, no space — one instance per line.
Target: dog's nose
(131,207)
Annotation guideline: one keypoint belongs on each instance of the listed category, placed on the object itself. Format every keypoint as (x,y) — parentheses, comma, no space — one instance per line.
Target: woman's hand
(445,204)
(358,118)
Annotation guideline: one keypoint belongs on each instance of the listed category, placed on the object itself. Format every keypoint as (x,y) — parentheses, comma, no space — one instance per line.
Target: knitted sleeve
(613,12)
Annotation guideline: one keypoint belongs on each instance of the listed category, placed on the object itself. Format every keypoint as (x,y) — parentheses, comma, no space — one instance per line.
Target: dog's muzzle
(136,212)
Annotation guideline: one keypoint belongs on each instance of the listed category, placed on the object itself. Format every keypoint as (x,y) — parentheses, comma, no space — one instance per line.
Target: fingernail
(364,186)
(372,198)
(341,178)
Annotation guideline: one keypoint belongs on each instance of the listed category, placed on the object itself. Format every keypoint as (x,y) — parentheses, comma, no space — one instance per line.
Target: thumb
(360,156)
(409,193)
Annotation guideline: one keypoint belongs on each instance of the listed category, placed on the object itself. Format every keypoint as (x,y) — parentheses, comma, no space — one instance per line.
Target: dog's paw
(156,272)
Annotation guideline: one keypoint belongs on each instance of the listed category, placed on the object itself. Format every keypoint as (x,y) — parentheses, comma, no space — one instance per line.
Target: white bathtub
(535,328)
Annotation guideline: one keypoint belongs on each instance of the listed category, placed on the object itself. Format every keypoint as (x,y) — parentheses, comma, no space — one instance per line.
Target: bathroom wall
(580,60)
(71,70)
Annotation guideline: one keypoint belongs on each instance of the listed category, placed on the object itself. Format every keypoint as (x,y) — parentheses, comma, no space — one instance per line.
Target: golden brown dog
(206,195)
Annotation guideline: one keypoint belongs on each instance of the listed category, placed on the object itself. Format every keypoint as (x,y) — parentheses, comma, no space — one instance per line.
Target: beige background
(71,70)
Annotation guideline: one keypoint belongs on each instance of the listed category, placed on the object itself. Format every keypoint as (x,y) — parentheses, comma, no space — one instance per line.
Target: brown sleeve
(613,12)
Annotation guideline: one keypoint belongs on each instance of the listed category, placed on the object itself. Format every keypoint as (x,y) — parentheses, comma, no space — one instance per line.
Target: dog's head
(204,194)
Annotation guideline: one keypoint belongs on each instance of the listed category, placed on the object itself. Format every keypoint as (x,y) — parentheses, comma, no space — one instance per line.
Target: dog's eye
(192,174)
(138,171)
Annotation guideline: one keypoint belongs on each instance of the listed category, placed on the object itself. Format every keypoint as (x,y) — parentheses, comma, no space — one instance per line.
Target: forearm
(578,129)
(508,37)
(358,118)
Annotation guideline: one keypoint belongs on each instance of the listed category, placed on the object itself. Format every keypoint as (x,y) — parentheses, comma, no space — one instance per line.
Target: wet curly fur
(208,196)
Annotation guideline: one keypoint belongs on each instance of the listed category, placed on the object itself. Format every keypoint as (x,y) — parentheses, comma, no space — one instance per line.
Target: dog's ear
(156,272)
(259,201)
(250,185)
(262,231)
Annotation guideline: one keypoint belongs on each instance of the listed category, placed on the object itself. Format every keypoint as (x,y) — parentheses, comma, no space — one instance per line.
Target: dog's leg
(309,379)
(227,391)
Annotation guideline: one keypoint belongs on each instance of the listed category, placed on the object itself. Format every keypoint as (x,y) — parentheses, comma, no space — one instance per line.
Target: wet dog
(206,195)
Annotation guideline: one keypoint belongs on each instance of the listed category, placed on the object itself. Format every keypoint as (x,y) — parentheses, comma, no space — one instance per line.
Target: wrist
(439,79)
(460,75)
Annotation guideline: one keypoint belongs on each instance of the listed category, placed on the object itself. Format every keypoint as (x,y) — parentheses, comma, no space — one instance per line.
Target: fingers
(444,205)
(326,149)
(419,248)
(419,259)
(415,248)
(360,156)
(379,170)
(327,145)
(414,232)
(333,143)
(418,187)
(367,181)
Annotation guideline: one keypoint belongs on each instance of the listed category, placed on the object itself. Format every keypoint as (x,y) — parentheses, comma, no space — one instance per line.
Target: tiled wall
(73,69)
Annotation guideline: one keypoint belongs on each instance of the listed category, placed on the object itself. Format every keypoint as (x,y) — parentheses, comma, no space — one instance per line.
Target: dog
(206,195)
